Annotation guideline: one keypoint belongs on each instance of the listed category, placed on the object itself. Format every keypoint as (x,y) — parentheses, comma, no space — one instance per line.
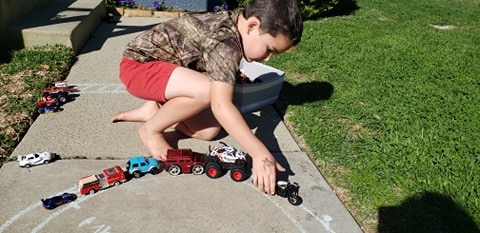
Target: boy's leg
(202,126)
(188,94)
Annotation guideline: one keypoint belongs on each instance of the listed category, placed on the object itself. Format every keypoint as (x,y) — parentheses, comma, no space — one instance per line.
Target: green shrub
(313,8)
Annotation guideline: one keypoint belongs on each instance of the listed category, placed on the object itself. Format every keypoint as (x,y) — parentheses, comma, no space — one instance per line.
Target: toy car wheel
(174,170)
(154,171)
(137,174)
(197,169)
(213,170)
(27,165)
(62,99)
(116,184)
(237,174)
(295,200)
(46,161)
(92,191)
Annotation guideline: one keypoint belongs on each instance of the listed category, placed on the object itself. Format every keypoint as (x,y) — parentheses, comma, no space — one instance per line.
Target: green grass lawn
(23,74)
(387,103)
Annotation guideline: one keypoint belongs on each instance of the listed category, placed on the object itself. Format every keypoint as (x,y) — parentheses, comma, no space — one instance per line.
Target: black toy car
(54,202)
(289,190)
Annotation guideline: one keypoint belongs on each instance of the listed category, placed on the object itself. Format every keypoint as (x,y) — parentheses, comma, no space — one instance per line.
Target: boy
(185,68)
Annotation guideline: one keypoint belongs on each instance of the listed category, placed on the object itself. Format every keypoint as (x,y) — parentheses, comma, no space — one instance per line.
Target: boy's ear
(252,24)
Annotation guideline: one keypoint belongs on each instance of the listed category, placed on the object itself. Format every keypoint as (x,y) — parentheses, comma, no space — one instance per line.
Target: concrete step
(66,22)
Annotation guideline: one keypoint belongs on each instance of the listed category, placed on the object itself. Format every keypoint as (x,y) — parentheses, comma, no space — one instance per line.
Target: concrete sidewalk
(160,203)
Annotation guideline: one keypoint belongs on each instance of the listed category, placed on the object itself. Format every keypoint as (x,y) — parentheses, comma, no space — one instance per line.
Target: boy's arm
(264,165)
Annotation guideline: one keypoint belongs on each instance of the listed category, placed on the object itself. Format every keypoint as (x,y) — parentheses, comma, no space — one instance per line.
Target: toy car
(35,159)
(46,101)
(54,202)
(138,165)
(184,161)
(226,158)
(47,104)
(59,91)
(288,190)
(49,109)
(112,176)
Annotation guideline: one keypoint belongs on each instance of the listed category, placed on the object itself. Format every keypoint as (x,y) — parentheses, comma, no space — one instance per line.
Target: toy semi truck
(109,177)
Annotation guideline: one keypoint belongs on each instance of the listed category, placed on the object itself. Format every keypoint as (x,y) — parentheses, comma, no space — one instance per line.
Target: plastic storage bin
(254,96)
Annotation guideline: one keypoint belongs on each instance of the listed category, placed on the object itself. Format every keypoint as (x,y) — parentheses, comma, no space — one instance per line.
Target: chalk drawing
(86,222)
(61,211)
(98,228)
(26,210)
(102,229)
(19,215)
(324,221)
(100,88)
(289,216)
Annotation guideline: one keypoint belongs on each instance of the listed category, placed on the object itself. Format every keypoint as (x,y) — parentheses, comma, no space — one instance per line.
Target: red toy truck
(59,91)
(109,177)
(184,160)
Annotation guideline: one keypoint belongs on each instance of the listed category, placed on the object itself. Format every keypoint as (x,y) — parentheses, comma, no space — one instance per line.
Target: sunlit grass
(403,118)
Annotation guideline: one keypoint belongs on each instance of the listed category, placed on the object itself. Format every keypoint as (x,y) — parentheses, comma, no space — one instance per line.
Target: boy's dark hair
(277,16)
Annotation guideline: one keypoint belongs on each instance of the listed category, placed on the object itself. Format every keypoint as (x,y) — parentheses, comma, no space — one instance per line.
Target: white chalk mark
(325,221)
(290,217)
(87,221)
(20,214)
(102,229)
(119,88)
(99,88)
(59,212)
(75,205)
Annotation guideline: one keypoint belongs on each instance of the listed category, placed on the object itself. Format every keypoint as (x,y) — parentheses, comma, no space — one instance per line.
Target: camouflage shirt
(207,42)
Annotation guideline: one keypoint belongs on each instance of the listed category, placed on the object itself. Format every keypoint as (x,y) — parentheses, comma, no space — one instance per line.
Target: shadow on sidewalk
(109,29)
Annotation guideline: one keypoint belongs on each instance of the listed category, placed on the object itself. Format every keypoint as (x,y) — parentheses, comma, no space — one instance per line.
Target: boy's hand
(264,173)
(264,165)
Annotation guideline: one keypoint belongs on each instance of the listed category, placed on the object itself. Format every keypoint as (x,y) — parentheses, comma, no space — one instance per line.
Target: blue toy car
(48,109)
(54,202)
(138,165)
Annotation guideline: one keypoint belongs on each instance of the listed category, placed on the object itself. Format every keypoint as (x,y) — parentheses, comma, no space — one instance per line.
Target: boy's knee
(203,96)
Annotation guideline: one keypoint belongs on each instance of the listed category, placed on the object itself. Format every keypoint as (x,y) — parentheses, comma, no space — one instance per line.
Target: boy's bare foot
(140,114)
(118,118)
(154,142)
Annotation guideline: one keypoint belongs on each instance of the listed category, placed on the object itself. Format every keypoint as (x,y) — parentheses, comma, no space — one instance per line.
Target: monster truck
(224,157)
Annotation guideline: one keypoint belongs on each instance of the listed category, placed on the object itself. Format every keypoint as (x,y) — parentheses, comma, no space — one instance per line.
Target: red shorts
(147,81)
